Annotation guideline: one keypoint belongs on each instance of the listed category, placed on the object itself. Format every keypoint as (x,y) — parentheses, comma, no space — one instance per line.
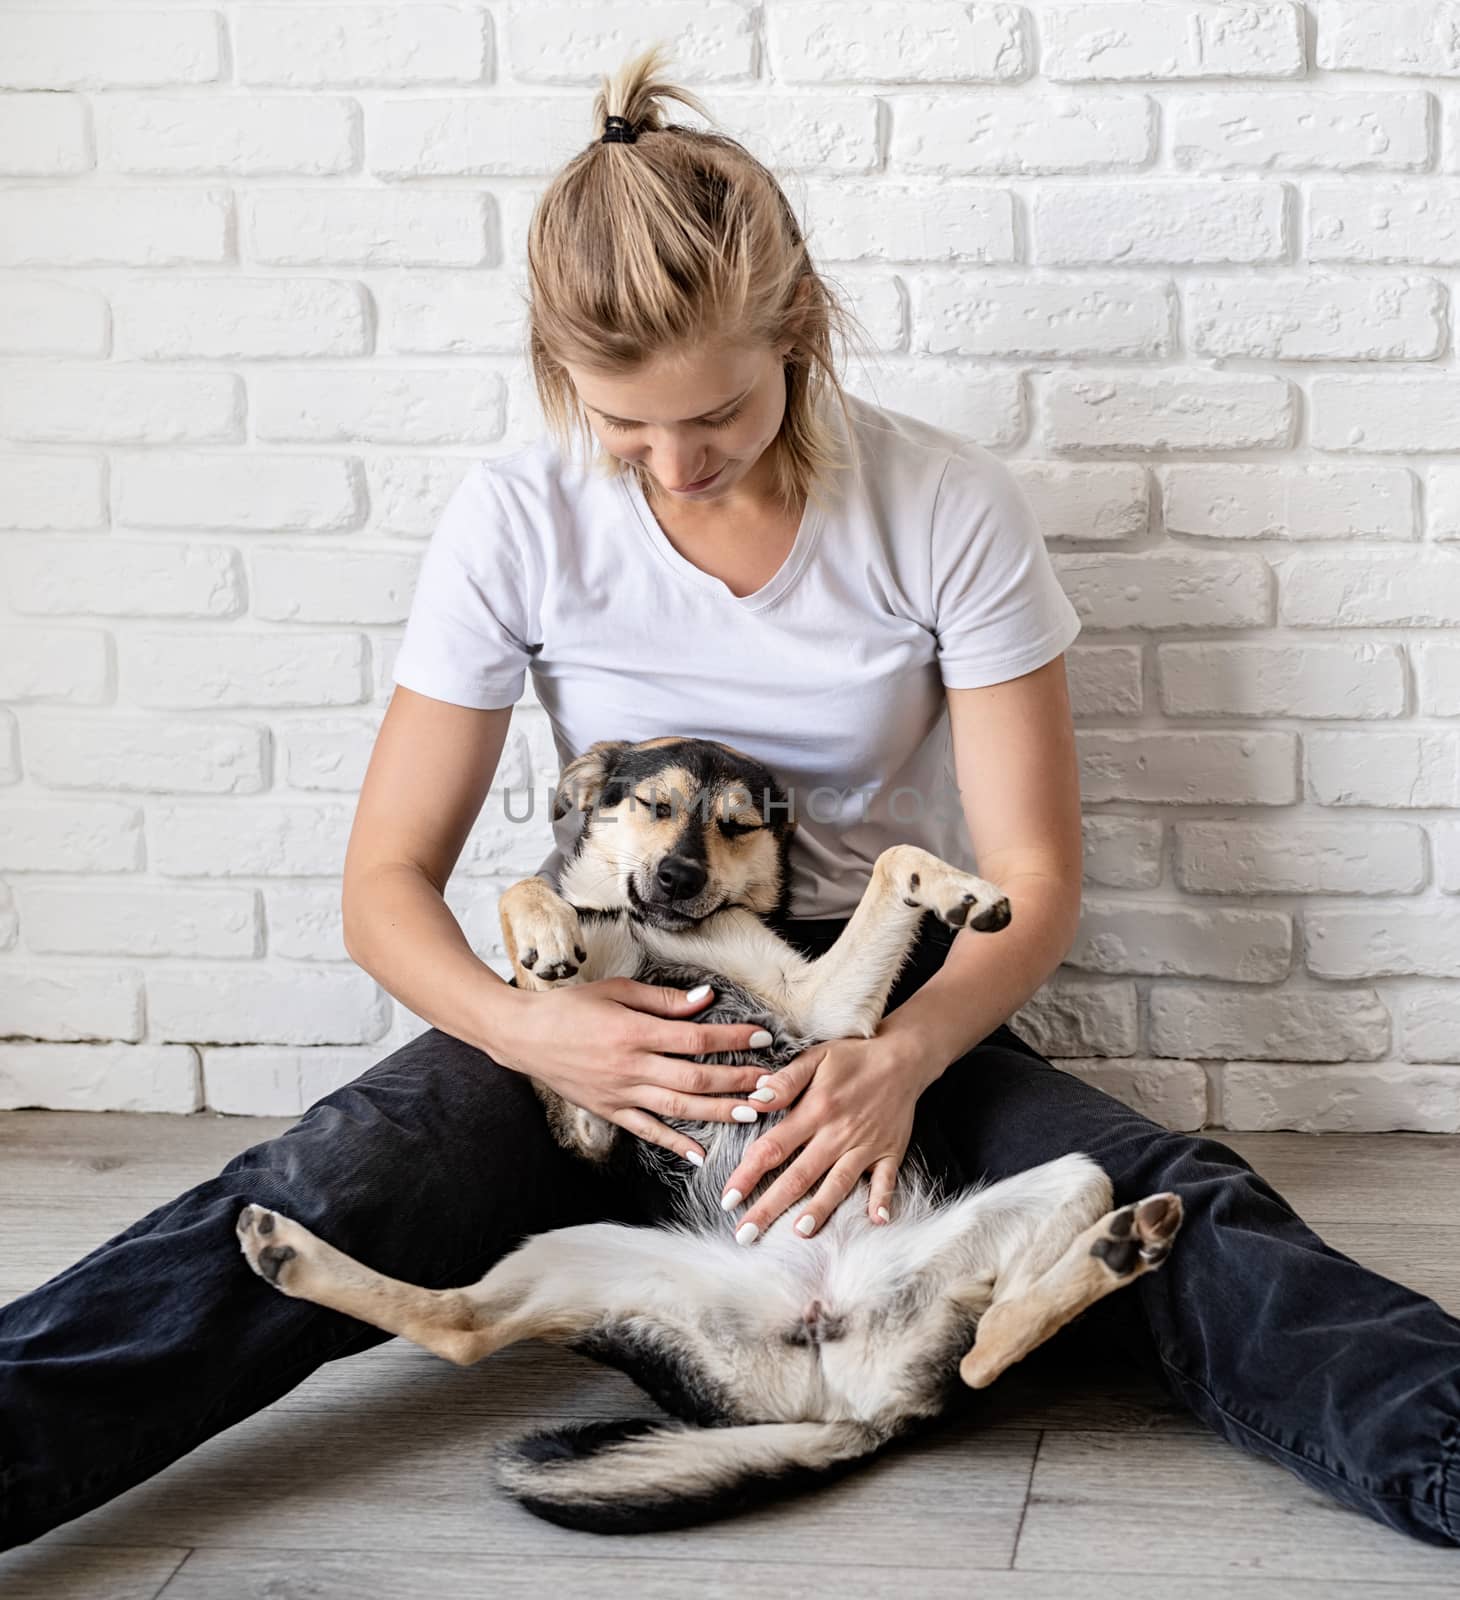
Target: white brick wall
(1189,267)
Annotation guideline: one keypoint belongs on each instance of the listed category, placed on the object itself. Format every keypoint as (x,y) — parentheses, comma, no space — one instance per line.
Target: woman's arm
(1019,782)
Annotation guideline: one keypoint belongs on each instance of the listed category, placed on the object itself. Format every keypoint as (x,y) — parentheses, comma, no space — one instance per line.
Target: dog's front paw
(551,948)
(273,1246)
(956,898)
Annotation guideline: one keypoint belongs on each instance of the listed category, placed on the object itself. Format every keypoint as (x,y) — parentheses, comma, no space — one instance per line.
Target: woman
(846,593)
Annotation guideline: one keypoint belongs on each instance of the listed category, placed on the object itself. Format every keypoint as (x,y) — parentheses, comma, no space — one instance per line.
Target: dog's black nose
(679,879)
(997,916)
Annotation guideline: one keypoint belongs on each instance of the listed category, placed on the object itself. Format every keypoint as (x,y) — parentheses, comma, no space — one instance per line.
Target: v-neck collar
(785,575)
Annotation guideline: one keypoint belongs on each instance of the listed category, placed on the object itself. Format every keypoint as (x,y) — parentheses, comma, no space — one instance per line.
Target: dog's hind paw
(1137,1238)
(273,1246)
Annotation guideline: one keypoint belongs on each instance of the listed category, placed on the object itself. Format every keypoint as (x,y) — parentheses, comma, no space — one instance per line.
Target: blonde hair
(638,249)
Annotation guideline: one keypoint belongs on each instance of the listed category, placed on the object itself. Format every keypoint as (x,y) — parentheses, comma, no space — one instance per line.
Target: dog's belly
(732,1002)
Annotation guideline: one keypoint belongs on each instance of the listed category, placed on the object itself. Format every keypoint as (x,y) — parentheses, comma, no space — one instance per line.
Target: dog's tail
(642,1476)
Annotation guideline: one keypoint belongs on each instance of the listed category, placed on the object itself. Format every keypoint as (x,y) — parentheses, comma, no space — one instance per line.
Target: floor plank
(1194,1504)
(45,1571)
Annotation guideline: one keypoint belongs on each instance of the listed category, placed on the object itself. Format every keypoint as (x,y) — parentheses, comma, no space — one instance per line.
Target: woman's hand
(854,1115)
(609,1047)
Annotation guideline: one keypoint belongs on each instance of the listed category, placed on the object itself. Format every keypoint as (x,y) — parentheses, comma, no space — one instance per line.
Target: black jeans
(437,1161)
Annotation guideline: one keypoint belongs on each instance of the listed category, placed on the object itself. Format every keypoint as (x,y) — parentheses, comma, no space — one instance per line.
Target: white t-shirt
(927,570)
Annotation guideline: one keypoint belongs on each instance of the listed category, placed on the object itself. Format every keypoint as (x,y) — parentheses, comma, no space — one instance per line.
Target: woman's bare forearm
(400,930)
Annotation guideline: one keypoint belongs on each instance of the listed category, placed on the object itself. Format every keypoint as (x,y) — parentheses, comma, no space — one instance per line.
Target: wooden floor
(370,1481)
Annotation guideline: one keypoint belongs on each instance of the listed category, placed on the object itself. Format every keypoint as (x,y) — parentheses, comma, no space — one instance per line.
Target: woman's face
(706,413)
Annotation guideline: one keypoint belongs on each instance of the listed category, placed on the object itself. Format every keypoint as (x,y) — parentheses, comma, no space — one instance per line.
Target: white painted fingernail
(760,1039)
(762,1094)
(764,1083)
(744,1113)
(698,993)
(730,1199)
(883,1213)
(694,1158)
(747,1233)
(806,1226)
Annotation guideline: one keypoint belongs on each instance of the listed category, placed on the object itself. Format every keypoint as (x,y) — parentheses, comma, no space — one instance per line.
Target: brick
(459,137)
(356,586)
(1398,941)
(409,493)
(43,135)
(285,1005)
(1208,768)
(937,41)
(65,664)
(1336,1099)
(1105,680)
(1162,591)
(1287,318)
(1158,223)
(1070,1016)
(1134,39)
(141,920)
(62,492)
(113,227)
(1301,501)
(1406,414)
(1121,852)
(176,318)
(120,405)
(368,227)
(1188,410)
(1437,666)
(1086,502)
(249,839)
(1430,1022)
(436,405)
(1422,39)
(242,668)
(100,1077)
(39,318)
(122,577)
(1357,221)
(70,836)
(327,753)
(1041,316)
(306,924)
(306,46)
(236,135)
(1282,680)
(1378,588)
(1443,499)
(1027,133)
(854,220)
(1383,768)
(145,754)
(70,1003)
(1300,857)
(242,492)
(575,44)
(252,1082)
(107,49)
(1120,936)
(988,407)
(1299,131)
(830,133)
(1173,1093)
(1209,1024)
(452,313)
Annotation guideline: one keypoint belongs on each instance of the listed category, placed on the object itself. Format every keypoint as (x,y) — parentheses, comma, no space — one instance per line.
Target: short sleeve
(468,638)
(998,608)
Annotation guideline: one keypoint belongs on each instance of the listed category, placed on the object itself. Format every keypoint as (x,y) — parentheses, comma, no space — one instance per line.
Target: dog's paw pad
(528,958)
(1139,1236)
(261,1234)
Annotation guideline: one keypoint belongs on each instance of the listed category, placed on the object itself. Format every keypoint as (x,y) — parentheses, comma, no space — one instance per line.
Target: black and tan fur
(795,1358)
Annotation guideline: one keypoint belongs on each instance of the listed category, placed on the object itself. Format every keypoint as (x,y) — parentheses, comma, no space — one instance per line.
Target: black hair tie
(619,130)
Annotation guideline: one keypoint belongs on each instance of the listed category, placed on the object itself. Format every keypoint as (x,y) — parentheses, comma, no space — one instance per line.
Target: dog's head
(679,828)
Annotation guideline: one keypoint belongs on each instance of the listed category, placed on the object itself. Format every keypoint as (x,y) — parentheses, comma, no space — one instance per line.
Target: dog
(796,1359)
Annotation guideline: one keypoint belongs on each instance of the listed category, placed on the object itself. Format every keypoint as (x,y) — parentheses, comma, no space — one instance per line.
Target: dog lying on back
(791,1360)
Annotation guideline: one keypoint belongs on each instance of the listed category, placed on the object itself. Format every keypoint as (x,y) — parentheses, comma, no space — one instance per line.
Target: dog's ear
(581,782)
